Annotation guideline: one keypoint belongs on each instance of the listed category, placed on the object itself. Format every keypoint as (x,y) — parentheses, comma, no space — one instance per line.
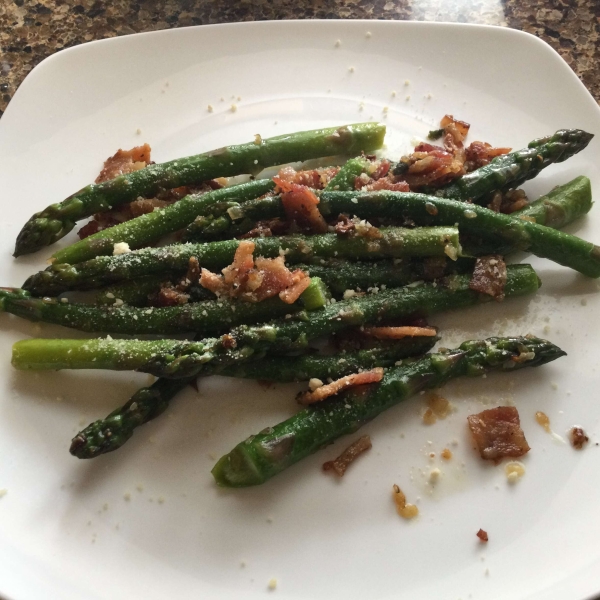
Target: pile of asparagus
(416,271)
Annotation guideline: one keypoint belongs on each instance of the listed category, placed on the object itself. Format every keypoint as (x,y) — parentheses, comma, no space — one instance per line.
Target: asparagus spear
(513,169)
(103,270)
(110,433)
(209,317)
(149,228)
(565,249)
(54,222)
(265,454)
(173,358)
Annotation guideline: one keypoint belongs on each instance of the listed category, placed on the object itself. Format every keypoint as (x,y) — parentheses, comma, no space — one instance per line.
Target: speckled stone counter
(31,30)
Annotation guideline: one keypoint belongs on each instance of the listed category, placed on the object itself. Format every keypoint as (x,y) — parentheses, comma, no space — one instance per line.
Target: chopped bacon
(300,205)
(193,272)
(459,129)
(397,333)
(315,178)
(479,154)
(497,433)
(325,391)
(170,296)
(344,225)
(125,161)
(578,438)
(348,456)
(267,228)
(482,535)
(143,206)
(489,276)
(386,183)
(254,281)
(431,165)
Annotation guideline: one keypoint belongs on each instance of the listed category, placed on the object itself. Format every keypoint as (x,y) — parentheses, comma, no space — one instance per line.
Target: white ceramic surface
(66,528)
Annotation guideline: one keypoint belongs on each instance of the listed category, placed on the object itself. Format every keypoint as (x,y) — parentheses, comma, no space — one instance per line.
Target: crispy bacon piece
(325,391)
(479,154)
(300,205)
(267,228)
(170,296)
(397,333)
(315,178)
(348,456)
(497,433)
(458,129)
(385,183)
(125,161)
(578,438)
(344,226)
(482,535)
(431,165)
(489,276)
(254,281)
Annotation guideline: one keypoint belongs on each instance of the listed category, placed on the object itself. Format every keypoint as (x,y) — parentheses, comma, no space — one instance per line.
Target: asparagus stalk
(54,222)
(265,454)
(562,248)
(149,228)
(103,270)
(210,317)
(173,359)
(110,433)
(513,169)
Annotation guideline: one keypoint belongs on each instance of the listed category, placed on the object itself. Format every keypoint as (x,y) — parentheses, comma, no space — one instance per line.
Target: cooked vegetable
(260,457)
(210,317)
(103,270)
(562,248)
(151,227)
(54,222)
(172,358)
(345,177)
(513,169)
(110,433)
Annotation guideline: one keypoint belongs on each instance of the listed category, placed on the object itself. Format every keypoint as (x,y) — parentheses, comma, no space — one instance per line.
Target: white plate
(67,530)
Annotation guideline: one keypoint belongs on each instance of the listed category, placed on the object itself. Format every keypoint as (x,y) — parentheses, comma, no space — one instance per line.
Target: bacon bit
(482,535)
(169,296)
(143,206)
(397,333)
(386,183)
(300,205)
(379,169)
(267,228)
(459,128)
(497,433)
(405,510)
(228,342)
(344,225)
(431,165)
(479,154)
(254,281)
(193,272)
(316,178)
(578,438)
(446,454)
(125,161)
(372,376)
(348,456)
(489,276)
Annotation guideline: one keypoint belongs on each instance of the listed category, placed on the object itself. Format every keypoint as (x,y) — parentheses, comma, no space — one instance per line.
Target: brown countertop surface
(31,30)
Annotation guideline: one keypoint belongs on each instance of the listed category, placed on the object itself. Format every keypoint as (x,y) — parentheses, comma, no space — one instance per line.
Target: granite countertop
(31,30)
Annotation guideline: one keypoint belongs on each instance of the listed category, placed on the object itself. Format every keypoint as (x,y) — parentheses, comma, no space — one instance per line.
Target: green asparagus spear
(113,431)
(265,454)
(210,317)
(565,249)
(48,226)
(103,270)
(110,433)
(151,227)
(133,293)
(513,169)
(308,366)
(171,358)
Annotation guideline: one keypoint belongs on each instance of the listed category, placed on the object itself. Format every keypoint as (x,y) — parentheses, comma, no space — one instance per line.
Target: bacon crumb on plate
(578,438)
(482,535)
(325,391)
(348,456)
(497,433)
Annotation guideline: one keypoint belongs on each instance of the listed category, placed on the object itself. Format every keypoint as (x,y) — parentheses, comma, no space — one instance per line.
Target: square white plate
(148,521)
